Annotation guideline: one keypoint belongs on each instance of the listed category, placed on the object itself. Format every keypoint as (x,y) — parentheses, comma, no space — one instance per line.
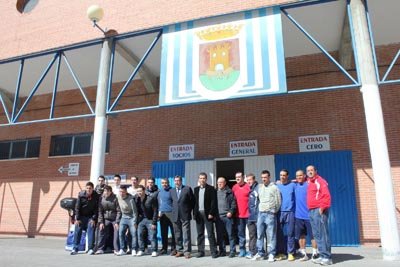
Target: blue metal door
(337,168)
(167,169)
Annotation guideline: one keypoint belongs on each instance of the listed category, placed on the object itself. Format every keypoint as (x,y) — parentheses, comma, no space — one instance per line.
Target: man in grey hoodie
(129,216)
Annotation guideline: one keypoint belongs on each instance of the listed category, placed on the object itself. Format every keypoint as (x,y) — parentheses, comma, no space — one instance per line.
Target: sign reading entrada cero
(243,148)
(177,152)
(314,143)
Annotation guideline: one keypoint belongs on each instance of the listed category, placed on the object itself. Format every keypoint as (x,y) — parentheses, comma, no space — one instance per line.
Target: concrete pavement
(31,252)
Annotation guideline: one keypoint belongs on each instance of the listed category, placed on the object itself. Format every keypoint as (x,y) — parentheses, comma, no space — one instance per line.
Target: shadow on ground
(341,257)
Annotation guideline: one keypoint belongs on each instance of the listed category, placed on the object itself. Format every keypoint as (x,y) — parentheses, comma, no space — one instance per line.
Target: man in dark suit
(182,203)
(205,213)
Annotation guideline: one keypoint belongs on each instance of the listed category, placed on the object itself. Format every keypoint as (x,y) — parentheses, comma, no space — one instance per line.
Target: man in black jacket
(205,213)
(182,203)
(147,217)
(109,215)
(224,223)
(86,211)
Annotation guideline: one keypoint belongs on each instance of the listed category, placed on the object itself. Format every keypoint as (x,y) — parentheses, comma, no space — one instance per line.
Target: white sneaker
(271,258)
(121,252)
(90,252)
(133,253)
(154,254)
(257,257)
(139,253)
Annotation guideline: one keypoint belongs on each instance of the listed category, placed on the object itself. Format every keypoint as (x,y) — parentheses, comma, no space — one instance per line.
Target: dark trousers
(252,226)
(242,222)
(183,237)
(203,222)
(166,223)
(285,233)
(85,225)
(108,233)
(225,228)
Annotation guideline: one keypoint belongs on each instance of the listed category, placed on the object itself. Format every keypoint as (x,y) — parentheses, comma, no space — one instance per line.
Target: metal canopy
(307,29)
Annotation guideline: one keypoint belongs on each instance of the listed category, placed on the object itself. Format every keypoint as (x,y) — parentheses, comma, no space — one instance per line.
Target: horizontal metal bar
(328,88)
(389,82)
(306,3)
(319,46)
(132,109)
(52,51)
(49,120)
(134,34)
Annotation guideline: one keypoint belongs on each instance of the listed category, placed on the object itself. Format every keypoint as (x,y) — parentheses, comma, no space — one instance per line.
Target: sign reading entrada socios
(231,56)
(177,152)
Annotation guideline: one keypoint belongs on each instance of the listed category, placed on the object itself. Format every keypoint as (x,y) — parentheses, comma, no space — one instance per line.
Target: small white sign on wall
(311,143)
(177,152)
(243,148)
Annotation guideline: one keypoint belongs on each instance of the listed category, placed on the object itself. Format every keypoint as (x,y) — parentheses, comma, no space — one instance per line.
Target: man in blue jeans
(129,218)
(86,211)
(269,205)
(148,215)
(319,202)
(241,190)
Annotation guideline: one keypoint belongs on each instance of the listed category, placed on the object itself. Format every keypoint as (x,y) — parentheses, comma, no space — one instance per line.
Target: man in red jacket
(318,203)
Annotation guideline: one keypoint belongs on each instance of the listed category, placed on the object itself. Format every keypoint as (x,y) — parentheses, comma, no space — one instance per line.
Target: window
(79,144)
(20,149)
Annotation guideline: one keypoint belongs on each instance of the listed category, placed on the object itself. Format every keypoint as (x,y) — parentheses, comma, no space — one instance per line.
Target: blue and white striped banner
(231,56)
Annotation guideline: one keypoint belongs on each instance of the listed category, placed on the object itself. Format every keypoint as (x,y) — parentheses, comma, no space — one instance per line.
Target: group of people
(279,215)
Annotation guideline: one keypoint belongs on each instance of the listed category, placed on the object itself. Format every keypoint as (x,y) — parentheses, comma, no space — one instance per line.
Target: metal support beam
(376,134)
(100,123)
(7,98)
(346,48)
(149,80)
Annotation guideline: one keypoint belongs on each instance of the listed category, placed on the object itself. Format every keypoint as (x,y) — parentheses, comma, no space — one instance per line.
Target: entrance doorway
(228,169)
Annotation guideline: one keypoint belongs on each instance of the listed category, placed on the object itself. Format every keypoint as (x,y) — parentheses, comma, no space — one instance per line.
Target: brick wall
(54,24)
(30,189)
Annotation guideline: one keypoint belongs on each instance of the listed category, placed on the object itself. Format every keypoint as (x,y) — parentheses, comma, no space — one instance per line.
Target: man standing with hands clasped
(205,213)
(319,202)
(182,206)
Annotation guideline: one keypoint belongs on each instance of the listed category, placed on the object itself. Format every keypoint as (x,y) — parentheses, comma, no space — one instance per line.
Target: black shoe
(214,255)
(73,252)
(315,256)
(222,254)
(232,254)
(163,252)
(200,255)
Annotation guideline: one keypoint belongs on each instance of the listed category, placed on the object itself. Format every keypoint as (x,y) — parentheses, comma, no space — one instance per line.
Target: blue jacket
(253,203)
